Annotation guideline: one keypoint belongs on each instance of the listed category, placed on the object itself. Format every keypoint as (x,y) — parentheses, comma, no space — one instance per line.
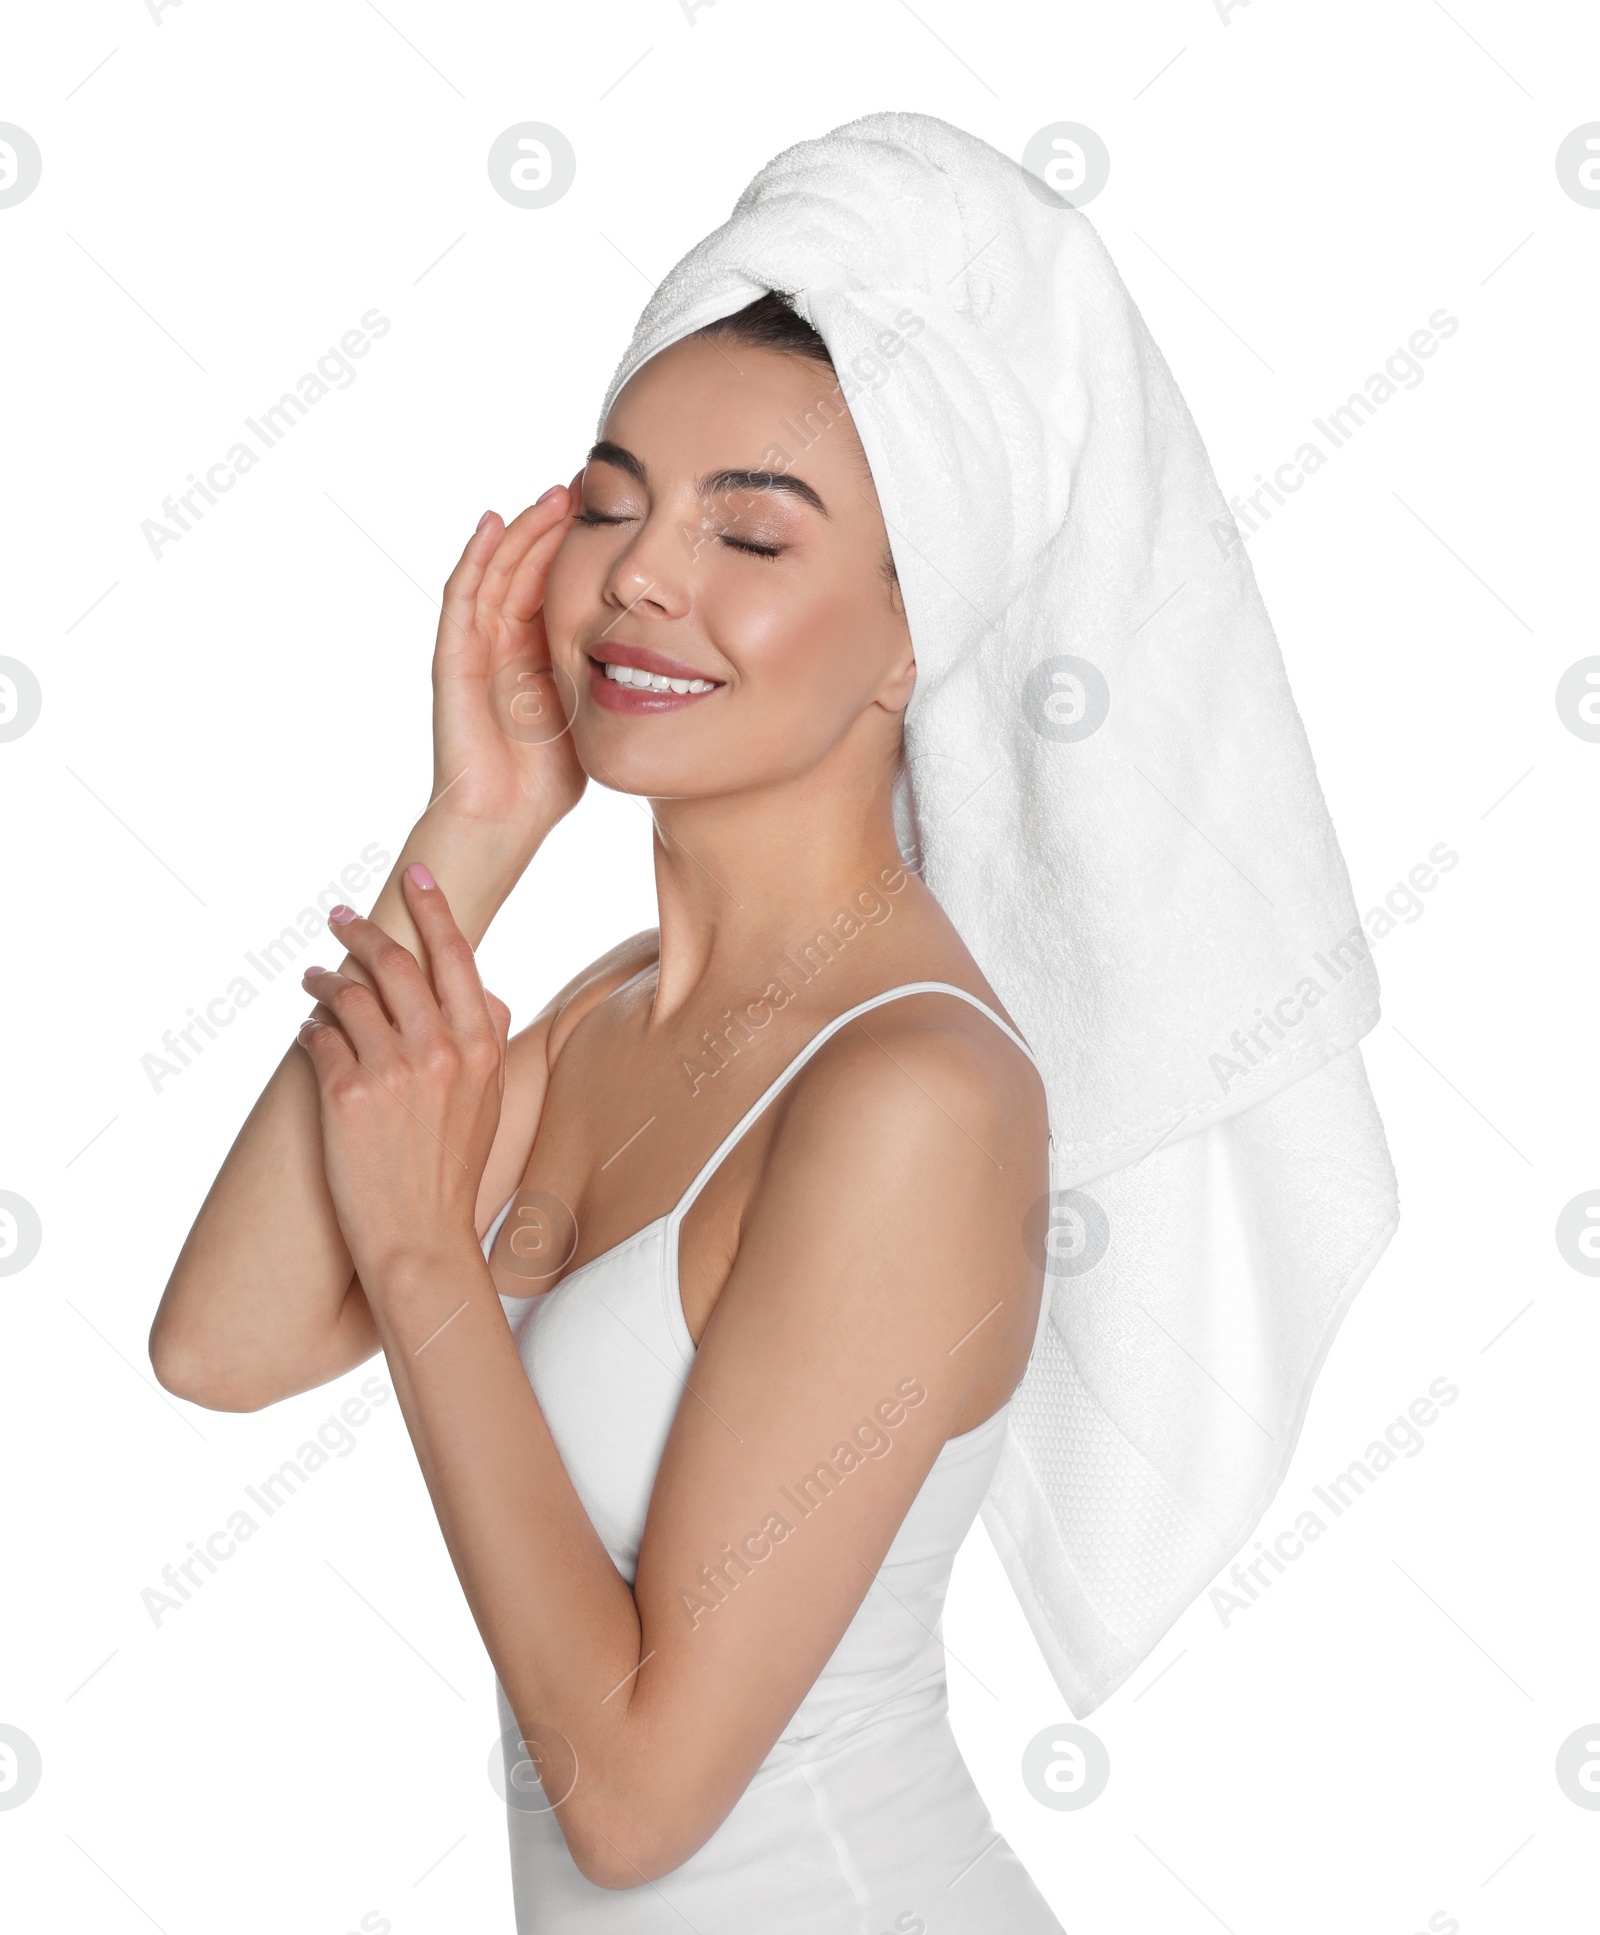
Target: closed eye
(768,551)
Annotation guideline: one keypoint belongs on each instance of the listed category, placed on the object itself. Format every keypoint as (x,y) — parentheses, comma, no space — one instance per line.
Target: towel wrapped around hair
(1108,788)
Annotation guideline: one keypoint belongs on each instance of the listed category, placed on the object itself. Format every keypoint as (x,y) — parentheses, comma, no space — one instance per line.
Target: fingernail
(549,493)
(312,970)
(420,874)
(340,914)
(484,519)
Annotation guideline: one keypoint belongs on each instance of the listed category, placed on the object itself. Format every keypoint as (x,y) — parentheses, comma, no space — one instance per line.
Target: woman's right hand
(502,752)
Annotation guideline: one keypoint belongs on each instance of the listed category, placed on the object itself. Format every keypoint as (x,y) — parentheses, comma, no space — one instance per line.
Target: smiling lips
(630,678)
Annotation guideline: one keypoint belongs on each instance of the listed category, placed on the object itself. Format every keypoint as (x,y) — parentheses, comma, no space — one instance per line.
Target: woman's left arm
(880,1267)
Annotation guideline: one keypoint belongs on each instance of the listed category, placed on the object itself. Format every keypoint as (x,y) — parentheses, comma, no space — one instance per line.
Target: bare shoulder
(919,1134)
(906,1065)
(885,1229)
(531,1052)
(543,1036)
(588,988)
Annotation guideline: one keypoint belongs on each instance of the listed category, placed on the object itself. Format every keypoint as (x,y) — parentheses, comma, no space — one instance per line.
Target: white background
(1293,192)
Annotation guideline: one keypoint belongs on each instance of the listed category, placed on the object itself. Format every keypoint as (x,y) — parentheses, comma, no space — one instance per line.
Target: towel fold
(1108,788)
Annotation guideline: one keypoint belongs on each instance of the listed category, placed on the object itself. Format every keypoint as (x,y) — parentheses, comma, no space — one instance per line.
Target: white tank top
(864,1811)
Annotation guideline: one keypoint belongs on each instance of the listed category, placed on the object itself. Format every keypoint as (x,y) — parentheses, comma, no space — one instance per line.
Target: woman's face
(729,535)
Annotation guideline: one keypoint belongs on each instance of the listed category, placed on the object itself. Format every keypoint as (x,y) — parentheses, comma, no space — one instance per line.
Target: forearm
(558,1620)
(477,864)
(261,1301)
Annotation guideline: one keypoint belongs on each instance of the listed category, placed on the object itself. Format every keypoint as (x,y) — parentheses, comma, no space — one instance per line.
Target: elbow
(604,1867)
(191,1373)
(629,1845)
(631,1857)
(642,1803)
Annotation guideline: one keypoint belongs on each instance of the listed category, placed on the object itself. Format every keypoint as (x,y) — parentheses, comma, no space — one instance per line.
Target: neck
(742,879)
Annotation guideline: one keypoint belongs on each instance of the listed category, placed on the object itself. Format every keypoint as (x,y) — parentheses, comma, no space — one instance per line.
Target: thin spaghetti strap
(949,987)
(823,1035)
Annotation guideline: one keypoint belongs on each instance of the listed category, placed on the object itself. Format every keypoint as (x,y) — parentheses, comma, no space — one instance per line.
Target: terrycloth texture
(1132,843)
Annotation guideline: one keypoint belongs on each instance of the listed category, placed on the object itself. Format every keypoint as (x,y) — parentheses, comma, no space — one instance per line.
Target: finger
(461,587)
(359,1013)
(523,598)
(522,557)
(327,1047)
(395,970)
(460,992)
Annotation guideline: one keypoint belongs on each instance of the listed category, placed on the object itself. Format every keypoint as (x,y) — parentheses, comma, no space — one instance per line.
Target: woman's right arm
(263,1301)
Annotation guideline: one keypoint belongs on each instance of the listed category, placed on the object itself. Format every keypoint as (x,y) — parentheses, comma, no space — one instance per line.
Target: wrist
(476,862)
(420,1285)
(485,846)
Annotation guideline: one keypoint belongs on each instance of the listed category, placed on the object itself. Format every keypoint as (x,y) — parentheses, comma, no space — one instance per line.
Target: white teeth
(654,682)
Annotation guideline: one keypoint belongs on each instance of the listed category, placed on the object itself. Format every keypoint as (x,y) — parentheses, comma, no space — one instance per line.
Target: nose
(652,574)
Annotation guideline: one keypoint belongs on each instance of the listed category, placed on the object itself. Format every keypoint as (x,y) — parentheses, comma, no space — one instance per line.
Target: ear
(894,695)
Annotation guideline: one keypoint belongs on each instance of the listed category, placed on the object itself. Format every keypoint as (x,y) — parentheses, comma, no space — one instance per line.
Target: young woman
(713,1297)
(704,1294)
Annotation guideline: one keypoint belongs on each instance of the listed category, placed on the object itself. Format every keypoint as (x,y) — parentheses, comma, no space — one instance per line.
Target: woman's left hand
(409,1082)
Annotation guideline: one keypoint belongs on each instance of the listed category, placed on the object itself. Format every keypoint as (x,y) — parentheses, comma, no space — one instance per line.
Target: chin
(616,760)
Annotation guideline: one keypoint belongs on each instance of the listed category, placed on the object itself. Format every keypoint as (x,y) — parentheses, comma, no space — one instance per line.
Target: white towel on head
(1109,790)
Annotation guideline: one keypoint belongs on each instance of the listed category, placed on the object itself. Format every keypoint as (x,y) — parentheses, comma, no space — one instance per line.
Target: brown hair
(771,322)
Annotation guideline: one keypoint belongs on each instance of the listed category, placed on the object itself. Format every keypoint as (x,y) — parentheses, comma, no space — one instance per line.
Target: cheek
(803,670)
(796,644)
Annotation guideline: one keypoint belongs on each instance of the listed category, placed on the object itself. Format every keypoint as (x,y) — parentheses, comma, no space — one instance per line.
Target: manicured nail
(549,493)
(420,874)
(312,970)
(340,914)
(484,519)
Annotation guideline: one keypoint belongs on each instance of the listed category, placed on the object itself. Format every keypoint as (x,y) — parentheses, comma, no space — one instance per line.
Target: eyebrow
(715,482)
